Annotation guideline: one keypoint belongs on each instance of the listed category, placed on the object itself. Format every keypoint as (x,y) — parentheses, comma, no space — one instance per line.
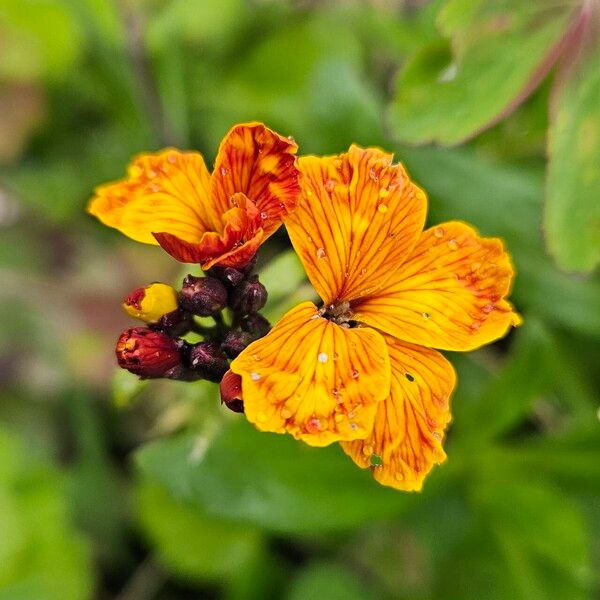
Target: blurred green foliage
(114,488)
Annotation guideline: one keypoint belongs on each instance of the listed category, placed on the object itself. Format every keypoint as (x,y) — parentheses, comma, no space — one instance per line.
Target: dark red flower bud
(208,360)
(203,296)
(231,392)
(249,297)
(149,353)
(235,342)
(255,324)
(178,322)
(228,275)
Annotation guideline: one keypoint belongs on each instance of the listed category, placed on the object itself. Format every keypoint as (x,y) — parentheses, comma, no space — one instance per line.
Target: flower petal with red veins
(406,441)
(358,218)
(314,379)
(235,247)
(449,294)
(256,161)
(168,191)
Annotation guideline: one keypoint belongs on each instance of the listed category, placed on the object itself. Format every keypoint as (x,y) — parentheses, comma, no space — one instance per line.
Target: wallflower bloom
(170,198)
(362,369)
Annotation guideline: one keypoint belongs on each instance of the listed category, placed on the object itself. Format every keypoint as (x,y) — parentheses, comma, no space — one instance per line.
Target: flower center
(339,313)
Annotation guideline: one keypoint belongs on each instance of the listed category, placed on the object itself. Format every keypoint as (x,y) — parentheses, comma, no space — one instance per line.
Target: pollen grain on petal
(292,383)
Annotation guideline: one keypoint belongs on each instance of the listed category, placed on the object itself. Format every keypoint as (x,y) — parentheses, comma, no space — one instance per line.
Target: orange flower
(171,199)
(361,369)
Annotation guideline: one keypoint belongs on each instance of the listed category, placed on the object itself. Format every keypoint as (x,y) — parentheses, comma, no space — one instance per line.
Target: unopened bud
(203,296)
(231,392)
(228,275)
(150,303)
(178,322)
(249,297)
(149,353)
(208,360)
(235,342)
(255,324)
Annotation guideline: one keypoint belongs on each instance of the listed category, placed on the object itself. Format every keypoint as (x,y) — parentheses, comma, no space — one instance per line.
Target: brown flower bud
(235,342)
(149,353)
(228,275)
(249,297)
(255,324)
(231,392)
(203,296)
(208,360)
(178,322)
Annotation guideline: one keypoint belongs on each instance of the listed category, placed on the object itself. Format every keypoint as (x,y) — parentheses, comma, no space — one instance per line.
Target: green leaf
(499,51)
(269,480)
(331,581)
(125,387)
(191,544)
(572,216)
(527,374)
(524,541)
(42,46)
(41,555)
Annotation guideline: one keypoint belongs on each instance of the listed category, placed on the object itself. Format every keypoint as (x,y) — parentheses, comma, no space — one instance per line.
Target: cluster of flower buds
(232,297)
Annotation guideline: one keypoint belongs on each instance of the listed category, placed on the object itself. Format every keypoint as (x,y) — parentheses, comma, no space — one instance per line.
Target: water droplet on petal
(437,436)
(367,450)
(399,477)
(384,193)
(254,376)
(382,208)
(224,171)
(335,356)
(256,357)
(172,158)
(330,185)
(286,413)
(438,232)
(321,253)
(425,315)
(453,245)
(264,215)
(322,357)
(355,374)
(353,426)
(373,175)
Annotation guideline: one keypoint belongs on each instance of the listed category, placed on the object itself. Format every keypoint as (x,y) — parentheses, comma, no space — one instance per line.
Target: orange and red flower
(362,369)
(170,198)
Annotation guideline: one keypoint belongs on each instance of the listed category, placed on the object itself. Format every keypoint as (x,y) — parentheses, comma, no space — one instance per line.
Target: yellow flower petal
(449,294)
(358,218)
(164,192)
(314,379)
(152,302)
(409,426)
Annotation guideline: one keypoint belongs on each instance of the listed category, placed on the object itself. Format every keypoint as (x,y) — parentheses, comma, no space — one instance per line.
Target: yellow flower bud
(150,303)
